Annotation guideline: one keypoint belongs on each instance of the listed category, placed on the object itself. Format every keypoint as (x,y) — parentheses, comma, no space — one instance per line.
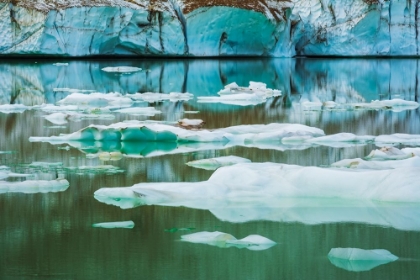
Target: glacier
(175,28)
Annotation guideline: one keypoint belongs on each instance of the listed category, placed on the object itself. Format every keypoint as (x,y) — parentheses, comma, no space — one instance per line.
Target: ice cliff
(277,28)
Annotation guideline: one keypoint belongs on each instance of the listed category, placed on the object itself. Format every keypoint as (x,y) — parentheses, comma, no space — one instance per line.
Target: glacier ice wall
(218,28)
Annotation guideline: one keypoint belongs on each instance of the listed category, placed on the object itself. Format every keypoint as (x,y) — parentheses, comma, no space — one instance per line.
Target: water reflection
(51,234)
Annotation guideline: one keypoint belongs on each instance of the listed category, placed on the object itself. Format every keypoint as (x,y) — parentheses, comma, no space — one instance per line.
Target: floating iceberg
(63,118)
(259,181)
(141,111)
(166,133)
(191,123)
(398,138)
(152,97)
(359,163)
(395,105)
(233,94)
(96,99)
(224,240)
(6,173)
(355,259)
(13,108)
(388,153)
(34,186)
(214,163)
(121,69)
(107,169)
(124,224)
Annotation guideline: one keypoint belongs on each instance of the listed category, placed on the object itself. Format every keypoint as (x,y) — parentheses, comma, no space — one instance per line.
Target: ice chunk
(152,97)
(214,163)
(259,181)
(13,108)
(398,138)
(121,69)
(96,99)
(34,186)
(166,133)
(60,64)
(57,118)
(385,164)
(124,224)
(225,240)
(232,94)
(355,259)
(139,111)
(191,123)
(388,153)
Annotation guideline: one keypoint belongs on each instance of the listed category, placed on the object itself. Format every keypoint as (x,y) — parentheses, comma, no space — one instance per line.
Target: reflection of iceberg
(214,163)
(278,192)
(355,259)
(165,133)
(124,224)
(224,240)
(34,186)
(233,94)
(152,97)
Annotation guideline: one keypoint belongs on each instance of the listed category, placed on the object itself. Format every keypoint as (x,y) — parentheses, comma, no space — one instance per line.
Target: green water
(50,235)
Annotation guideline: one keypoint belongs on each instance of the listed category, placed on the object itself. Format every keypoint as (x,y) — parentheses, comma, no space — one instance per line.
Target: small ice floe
(358,163)
(60,64)
(224,240)
(310,105)
(398,138)
(191,123)
(50,108)
(107,169)
(153,97)
(62,118)
(395,105)
(339,139)
(191,112)
(124,224)
(5,172)
(6,152)
(34,186)
(121,69)
(139,111)
(388,153)
(96,99)
(233,94)
(355,259)
(214,163)
(13,108)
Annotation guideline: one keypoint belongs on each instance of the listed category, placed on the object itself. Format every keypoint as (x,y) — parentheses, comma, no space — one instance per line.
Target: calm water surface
(50,235)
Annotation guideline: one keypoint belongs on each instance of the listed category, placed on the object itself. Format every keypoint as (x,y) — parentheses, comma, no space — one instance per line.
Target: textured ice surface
(258,181)
(124,224)
(355,259)
(225,240)
(214,163)
(34,186)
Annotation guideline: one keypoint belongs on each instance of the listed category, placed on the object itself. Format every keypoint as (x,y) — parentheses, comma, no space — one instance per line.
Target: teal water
(50,235)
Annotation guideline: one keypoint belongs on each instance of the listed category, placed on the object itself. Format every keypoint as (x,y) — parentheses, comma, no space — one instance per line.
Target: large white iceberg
(355,259)
(224,240)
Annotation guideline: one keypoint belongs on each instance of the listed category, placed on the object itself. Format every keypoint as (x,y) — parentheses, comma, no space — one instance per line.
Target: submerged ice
(214,163)
(355,259)
(224,240)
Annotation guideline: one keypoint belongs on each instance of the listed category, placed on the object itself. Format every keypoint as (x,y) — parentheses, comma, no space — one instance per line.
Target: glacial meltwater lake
(51,230)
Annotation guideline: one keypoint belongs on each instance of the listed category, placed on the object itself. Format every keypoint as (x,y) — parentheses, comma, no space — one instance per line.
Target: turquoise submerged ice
(165,133)
(355,259)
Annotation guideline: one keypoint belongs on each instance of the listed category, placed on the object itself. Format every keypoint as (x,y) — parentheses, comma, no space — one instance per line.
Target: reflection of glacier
(302,79)
(278,192)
